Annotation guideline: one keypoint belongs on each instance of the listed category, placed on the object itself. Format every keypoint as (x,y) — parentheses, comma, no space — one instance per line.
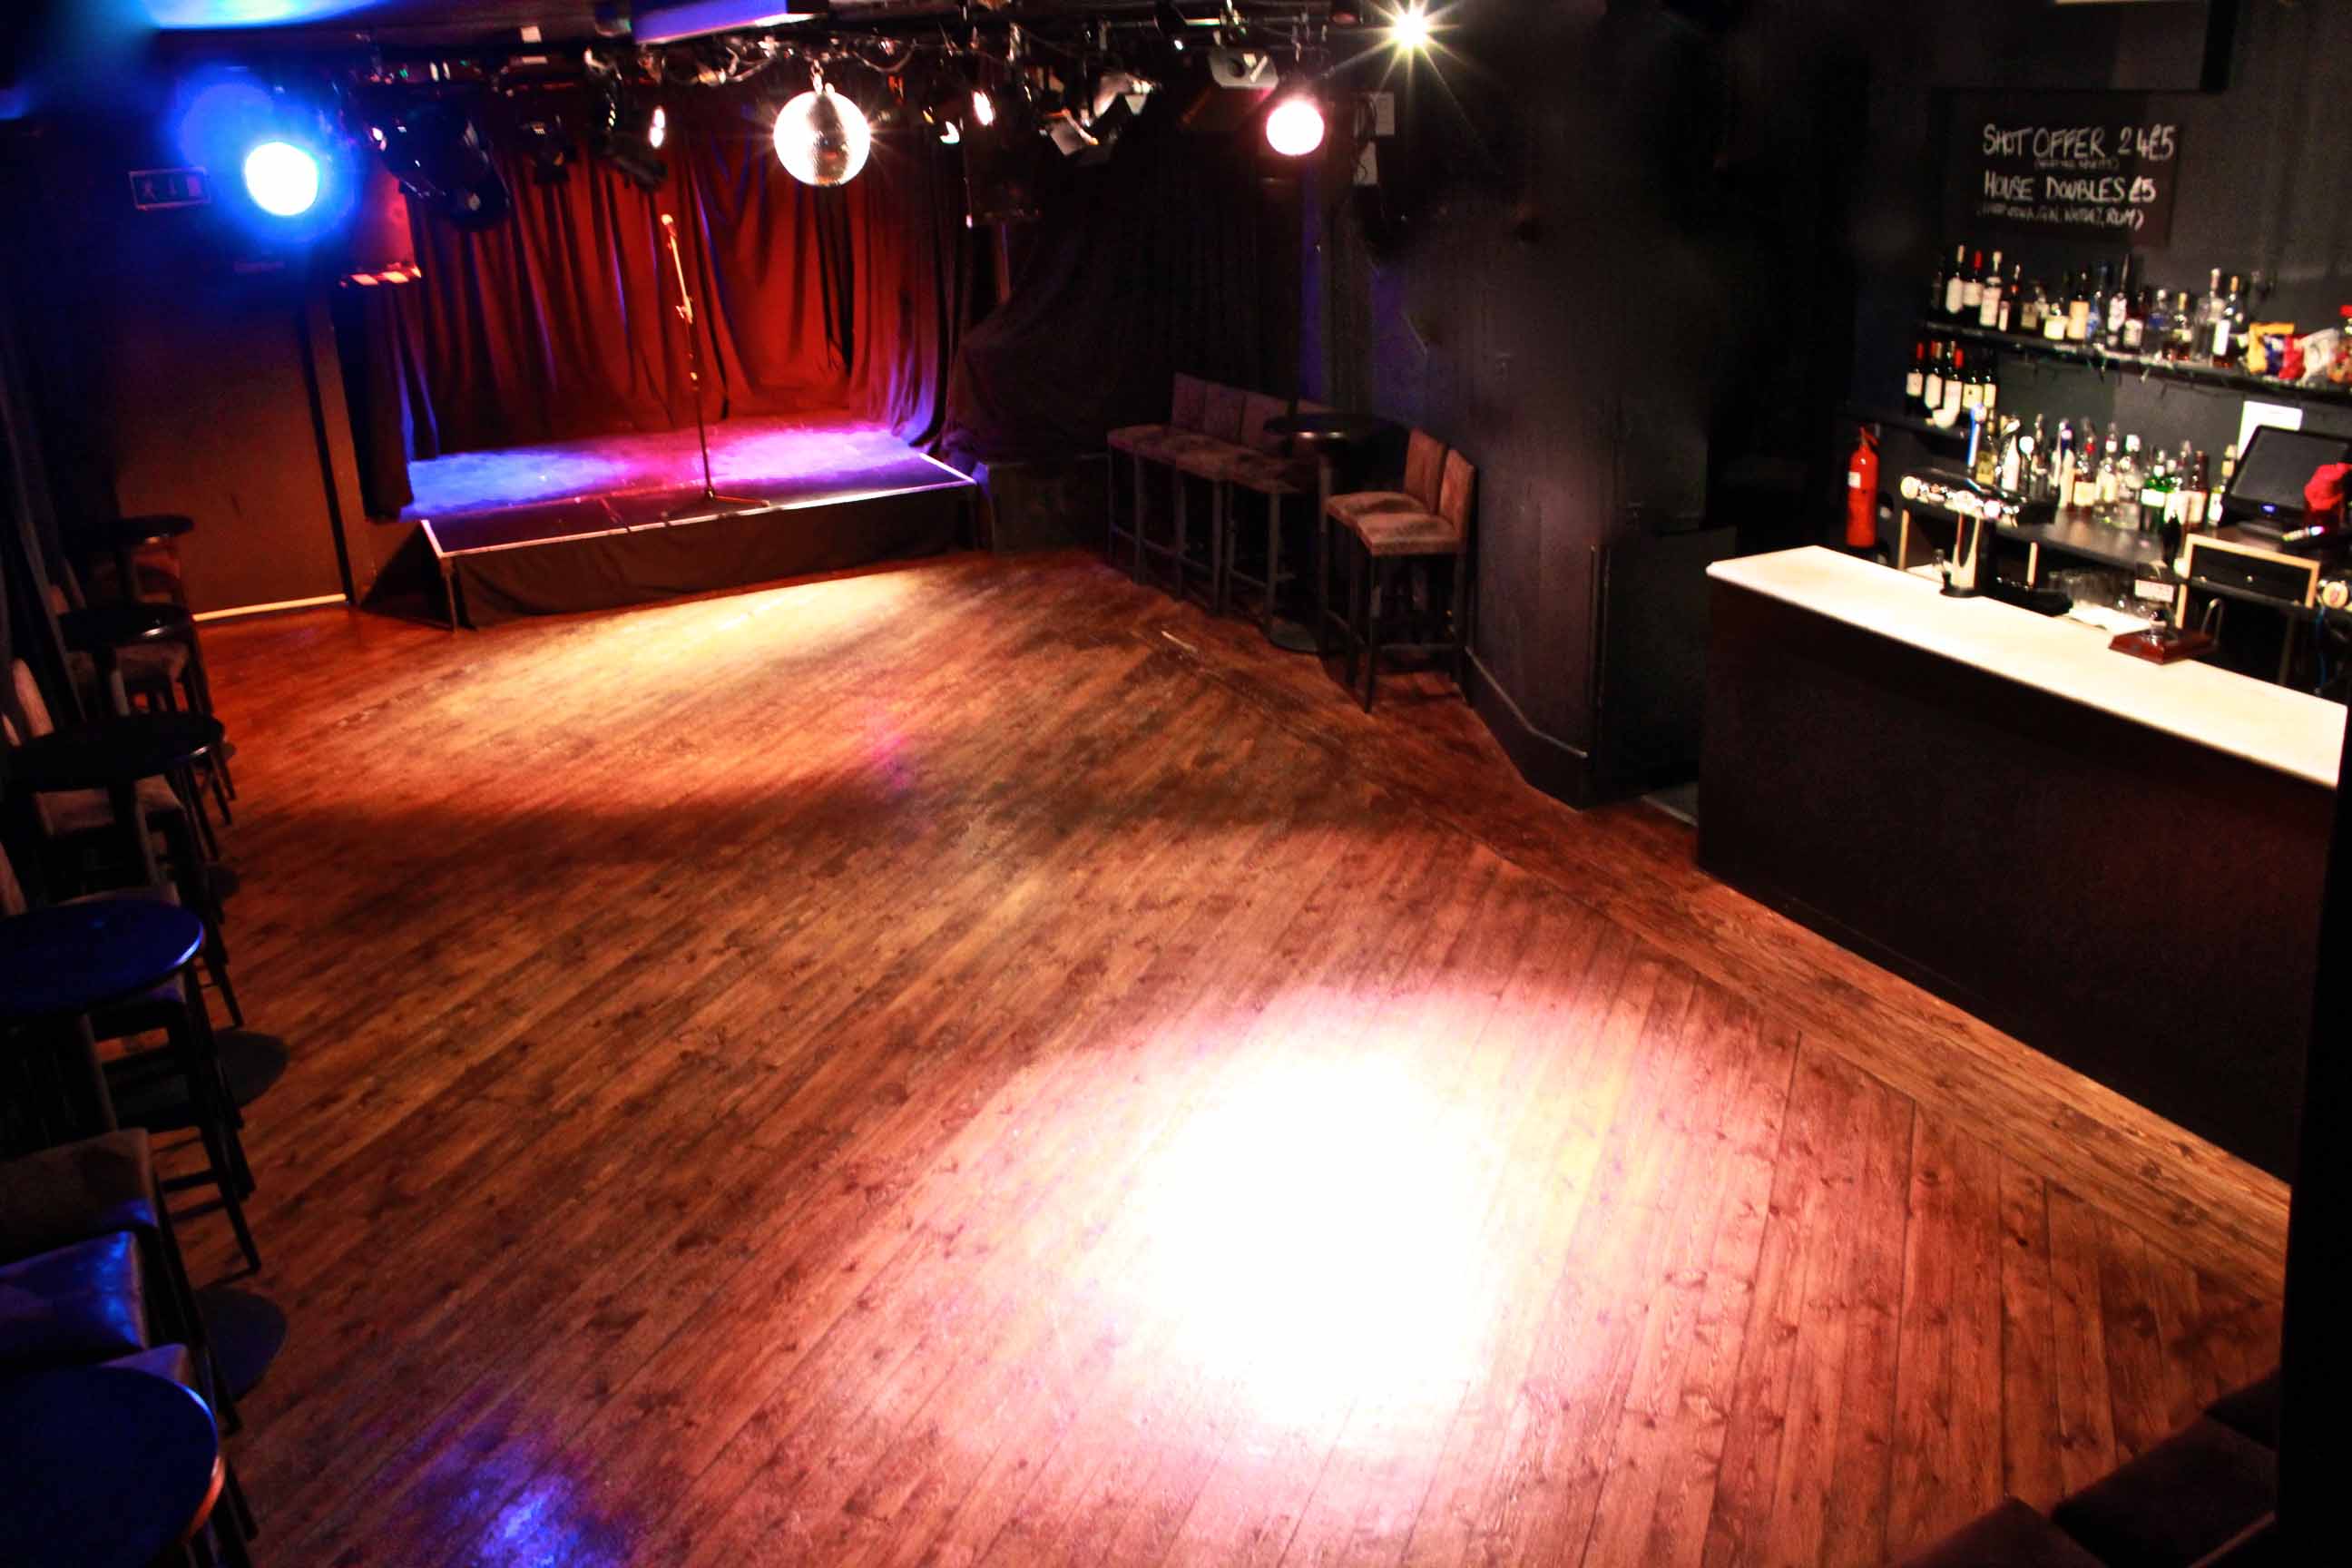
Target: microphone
(668,221)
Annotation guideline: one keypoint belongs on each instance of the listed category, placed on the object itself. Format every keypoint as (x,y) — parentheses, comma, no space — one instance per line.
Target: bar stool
(62,964)
(1394,531)
(111,636)
(112,1468)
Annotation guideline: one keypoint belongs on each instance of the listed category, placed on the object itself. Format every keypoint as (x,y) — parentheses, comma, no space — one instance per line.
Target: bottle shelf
(2105,360)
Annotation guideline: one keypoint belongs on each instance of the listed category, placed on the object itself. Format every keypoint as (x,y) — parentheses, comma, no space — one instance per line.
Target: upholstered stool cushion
(172,1363)
(2010,1536)
(1208,457)
(1264,473)
(2252,1411)
(73,1305)
(2185,1497)
(76,1192)
(147,663)
(1128,438)
(1353,506)
(90,810)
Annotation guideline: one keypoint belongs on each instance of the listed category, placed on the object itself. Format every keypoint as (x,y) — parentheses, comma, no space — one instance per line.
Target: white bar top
(2293,732)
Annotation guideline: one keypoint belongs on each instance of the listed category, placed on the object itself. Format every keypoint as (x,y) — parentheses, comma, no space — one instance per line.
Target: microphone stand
(709,496)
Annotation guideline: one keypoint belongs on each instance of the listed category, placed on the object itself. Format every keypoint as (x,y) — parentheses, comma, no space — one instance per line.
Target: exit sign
(152,190)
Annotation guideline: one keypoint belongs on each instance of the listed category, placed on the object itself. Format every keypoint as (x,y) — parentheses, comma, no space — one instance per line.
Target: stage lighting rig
(437,152)
(625,135)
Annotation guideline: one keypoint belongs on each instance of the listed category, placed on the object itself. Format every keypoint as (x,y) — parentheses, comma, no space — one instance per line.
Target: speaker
(1046,506)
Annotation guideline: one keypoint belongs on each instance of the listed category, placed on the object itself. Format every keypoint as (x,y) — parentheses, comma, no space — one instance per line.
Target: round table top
(106,1465)
(69,958)
(1320,425)
(106,751)
(113,533)
(95,628)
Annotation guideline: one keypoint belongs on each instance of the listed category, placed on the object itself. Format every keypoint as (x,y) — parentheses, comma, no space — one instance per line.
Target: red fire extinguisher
(1862,493)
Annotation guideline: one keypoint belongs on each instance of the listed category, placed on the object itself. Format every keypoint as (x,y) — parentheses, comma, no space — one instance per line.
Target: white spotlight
(657,128)
(1409,30)
(983,108)
(822,138)
(1295,128)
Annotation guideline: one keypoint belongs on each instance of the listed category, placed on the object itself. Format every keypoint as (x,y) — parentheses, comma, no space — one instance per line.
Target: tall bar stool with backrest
(1143,444)
(1400,533)
(1263,471)
(76,825)
(1194,457)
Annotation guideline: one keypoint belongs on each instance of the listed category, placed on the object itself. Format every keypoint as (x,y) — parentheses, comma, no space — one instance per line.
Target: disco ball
(822,138)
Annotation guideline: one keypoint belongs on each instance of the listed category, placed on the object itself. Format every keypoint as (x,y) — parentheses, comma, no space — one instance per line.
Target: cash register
(2259,584)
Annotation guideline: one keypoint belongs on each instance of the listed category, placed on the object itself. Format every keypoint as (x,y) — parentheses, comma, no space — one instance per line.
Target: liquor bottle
(2078,310)
(1972,288)
(2155,492)
(1915,386)
(2086,471)
(2035,307)
(2054,315)
(2209,308)
(2119,306)
(2194,502)
(2230,324)
(2130,478)
(1988,295)
(2158,330)
(1931,401)
(1956,281)
(2186,328)
(2110,484)
(1954,381)
(2036,449)
(2013,451)
(2005,318)
(2214,497)
(1971,388)
(1989,384)
(2062,467)
(2094,323)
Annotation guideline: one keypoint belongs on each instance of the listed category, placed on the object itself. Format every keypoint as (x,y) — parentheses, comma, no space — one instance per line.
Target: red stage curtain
(559,322)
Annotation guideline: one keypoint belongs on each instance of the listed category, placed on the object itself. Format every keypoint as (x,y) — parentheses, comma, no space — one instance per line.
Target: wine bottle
(2008,313)
(1989,296)
(1915,386)
(1931,402)
(1956,281)
(2230,324)
(1955,377)
(1972,288)
(2078,310)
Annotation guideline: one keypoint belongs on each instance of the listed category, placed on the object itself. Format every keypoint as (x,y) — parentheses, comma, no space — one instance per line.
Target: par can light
(1295,129)
(282,179)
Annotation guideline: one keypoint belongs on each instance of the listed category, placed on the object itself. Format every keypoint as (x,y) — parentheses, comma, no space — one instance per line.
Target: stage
(614,520)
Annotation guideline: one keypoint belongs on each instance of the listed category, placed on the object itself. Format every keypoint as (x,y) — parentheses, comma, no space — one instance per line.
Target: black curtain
(1138,268)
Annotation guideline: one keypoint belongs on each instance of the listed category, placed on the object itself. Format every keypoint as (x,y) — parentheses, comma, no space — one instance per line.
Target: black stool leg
(1135,468)
(1461,627)
(1377,583)
(1273,561)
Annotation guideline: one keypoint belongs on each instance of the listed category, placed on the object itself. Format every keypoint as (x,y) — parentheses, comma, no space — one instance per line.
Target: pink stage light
(1295,128)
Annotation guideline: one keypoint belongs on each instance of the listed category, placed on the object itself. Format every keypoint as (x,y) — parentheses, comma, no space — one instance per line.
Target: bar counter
(2117,863)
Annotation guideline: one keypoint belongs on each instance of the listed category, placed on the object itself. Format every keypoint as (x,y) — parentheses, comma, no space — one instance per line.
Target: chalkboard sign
(2098,166)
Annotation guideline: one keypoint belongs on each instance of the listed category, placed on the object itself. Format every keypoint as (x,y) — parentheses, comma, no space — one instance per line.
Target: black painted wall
(1672,242)
(1621,297)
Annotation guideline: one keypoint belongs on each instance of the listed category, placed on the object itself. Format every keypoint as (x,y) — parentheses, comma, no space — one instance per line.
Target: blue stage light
(282,179)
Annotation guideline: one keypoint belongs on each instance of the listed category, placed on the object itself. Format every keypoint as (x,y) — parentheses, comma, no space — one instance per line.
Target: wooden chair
(1407,531)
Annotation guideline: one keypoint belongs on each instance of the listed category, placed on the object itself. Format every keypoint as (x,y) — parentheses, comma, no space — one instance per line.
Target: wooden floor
(981,1064)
